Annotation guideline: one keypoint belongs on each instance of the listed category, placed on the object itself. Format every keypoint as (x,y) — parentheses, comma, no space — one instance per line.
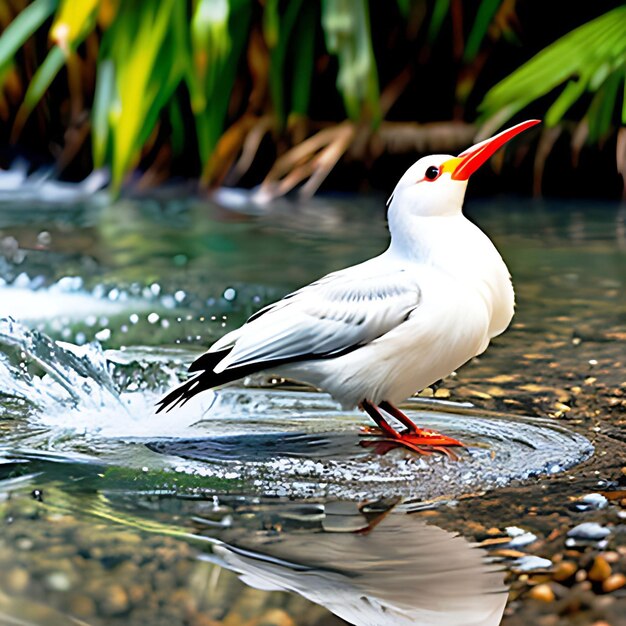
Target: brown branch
(249,149)
(314,158)
(546,143)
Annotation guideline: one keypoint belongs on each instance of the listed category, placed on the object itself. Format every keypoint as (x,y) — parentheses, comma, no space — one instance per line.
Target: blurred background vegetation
(288,93)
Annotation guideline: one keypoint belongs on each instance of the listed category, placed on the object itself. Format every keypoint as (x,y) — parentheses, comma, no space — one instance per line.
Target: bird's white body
(374,334)
(465,297)
(456,295)
(403,573)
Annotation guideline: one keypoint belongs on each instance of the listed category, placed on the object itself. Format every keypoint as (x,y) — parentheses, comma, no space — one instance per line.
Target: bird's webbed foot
(421,441)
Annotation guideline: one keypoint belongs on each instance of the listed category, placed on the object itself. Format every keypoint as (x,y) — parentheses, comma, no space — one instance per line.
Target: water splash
(81,388)
(274,441)
(72,375)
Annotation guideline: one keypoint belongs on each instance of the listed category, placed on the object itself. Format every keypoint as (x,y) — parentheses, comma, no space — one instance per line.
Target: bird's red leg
(426,437)
(420,441)
(400,416)
(389,437)
(374,413)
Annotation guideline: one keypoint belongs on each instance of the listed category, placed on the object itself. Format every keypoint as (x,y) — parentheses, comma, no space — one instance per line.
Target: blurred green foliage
(139,65)
(591,58)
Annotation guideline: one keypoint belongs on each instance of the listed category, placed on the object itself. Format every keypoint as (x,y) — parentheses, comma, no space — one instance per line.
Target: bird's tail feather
(183,393)
(209,379)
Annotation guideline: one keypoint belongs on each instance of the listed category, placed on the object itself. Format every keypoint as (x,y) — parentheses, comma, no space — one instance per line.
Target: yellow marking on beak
(450,165)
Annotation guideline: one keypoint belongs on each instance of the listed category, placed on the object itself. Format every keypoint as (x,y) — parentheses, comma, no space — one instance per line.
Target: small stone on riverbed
(543,593)
(531,563)
(17,580)
(115,601)
(589,531)
(565,570)
(590,502)
(519,537)
(614,582)
(600,570)
(58,581)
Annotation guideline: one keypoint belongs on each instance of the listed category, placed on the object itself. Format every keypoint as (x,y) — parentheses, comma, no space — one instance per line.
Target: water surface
(114,515)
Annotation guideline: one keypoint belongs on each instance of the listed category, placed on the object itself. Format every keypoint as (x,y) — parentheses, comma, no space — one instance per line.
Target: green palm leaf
(23,27)
(591,59)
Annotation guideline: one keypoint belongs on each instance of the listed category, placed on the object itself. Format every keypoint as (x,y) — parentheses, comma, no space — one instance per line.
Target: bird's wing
(333,315)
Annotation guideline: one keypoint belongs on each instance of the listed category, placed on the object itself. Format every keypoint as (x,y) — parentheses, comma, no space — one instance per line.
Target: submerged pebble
(17,580)
(565,570)
(589,531)
(519,537)
(543,593)
(115,600)
(531,563)
(590,502)
(614,582)
(600,570)
(58,581)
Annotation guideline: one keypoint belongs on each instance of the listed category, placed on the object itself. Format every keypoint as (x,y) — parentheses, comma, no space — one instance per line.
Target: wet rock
(519,537)
(58,581)
(564,571)
(542,593)
(24,543)
(600,570)
(614,582)
(590,502)
(589,531)
(17,580)
(115,601)
(581,575)
(531,563)
(611,557)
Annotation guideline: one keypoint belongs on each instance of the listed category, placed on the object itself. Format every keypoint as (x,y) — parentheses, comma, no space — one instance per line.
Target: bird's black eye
(431,173)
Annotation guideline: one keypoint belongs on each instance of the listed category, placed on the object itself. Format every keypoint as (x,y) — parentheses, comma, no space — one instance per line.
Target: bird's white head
(435,185)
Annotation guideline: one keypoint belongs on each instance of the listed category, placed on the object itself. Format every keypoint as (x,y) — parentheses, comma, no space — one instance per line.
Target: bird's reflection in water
(371,569)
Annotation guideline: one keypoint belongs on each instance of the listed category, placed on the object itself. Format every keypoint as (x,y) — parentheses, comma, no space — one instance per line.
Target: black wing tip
(209,379)
(208,360)
(165,404)
(187,390)
(182,394)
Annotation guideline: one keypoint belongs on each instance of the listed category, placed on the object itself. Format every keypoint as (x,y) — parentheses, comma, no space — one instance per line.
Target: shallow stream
(115,515)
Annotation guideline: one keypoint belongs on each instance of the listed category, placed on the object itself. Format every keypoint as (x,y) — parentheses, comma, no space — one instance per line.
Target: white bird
(368,576)
(375,333)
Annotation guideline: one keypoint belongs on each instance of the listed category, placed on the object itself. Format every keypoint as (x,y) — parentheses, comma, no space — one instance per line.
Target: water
(111,511)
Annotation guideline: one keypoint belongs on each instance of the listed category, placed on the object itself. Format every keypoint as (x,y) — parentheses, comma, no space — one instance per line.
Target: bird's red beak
(468,162)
